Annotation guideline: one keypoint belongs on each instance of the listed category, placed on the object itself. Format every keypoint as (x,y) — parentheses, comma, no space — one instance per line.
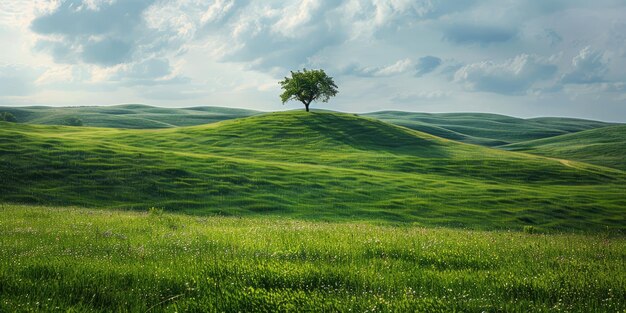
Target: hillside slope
(603,146)
(318,166)
(126,116)
(486,129)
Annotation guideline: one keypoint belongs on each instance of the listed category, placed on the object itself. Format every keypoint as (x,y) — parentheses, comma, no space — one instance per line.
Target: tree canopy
(308,86)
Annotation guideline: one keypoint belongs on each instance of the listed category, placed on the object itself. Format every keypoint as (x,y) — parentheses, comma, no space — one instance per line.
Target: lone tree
(308,86)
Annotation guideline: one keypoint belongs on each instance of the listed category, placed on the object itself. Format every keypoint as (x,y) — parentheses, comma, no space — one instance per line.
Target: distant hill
(126,116)
(476,128)
(603,146)
(323,166)
(486,129)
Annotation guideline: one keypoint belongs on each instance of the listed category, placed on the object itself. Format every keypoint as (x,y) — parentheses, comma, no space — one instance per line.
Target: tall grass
(64,259)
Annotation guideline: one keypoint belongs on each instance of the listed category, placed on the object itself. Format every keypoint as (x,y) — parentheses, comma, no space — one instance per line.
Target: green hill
(486,129)
(477,128)
(126,116)
(326,166)
(603,146)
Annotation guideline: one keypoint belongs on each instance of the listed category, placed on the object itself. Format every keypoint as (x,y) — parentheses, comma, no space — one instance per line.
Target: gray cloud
(107,52)
(552,36)
(426,65)
(513,77)
(75,18)
(588,67)
(470,33)
(149,72)
(104,35)
(61,51)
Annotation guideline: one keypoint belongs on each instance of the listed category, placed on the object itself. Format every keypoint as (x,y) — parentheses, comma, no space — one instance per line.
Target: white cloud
(513,76)
(588,67)
(399,67)
(217,11)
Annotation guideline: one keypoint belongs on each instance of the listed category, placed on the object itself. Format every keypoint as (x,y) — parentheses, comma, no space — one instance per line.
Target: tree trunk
(306,105)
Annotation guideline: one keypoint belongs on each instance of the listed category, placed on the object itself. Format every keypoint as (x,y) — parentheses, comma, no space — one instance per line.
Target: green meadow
(320,211)
(70,259)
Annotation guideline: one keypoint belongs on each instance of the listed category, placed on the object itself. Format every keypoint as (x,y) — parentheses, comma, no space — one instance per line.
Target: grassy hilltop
(327,166)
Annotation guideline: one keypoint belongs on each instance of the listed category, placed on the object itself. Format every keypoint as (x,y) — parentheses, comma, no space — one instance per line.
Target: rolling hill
(476,128)
(126,116)
(603,146)
(321,166)
(486,129)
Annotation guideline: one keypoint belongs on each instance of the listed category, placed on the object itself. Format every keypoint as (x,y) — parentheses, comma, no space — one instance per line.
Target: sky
(515,57)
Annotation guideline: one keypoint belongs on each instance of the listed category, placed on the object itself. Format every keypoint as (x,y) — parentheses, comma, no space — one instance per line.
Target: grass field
(317,166)
(67,259)
(603,146)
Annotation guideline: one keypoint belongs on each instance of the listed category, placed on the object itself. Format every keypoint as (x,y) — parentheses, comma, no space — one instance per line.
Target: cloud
(399,67)
(514,76)
(276,38)
(414,97)
(220,10)
(149,72)
(278,35)
(386,13)
(553,36)
(78,18)
(471,33)
(17,80)
(588,67)
(107,52)
(205,49)
(426,65)
(101,32)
